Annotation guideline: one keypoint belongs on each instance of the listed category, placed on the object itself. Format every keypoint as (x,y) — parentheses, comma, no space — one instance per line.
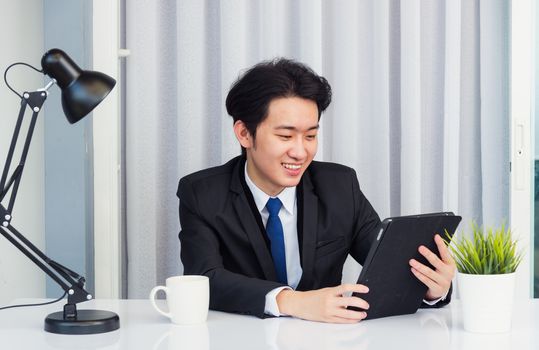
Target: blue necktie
(274,230)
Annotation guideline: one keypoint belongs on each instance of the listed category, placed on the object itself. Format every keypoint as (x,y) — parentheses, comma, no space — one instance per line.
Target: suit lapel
(250,226)
(309,215)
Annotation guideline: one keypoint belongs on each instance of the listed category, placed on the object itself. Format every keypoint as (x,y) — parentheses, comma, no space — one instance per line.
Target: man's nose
(298,150)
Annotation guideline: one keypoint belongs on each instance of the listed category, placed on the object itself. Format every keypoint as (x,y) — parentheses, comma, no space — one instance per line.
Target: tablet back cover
(393,289)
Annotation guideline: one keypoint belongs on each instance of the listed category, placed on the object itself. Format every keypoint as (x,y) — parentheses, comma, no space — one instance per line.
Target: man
(272,228)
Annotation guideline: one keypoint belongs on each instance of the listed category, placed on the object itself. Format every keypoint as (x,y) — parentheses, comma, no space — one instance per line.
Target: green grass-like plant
(492,252)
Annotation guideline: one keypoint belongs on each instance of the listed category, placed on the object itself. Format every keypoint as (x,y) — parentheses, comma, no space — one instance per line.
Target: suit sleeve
(441,303)
(366,223)
(200,255)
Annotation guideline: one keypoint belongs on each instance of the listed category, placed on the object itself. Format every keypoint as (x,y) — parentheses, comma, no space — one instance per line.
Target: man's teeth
(291,166)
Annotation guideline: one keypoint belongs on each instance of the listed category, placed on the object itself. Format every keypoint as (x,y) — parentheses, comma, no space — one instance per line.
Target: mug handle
(154,304)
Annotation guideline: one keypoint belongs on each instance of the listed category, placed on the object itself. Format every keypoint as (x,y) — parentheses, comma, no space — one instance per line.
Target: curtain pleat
(495,153)
(411,131)
(451,107)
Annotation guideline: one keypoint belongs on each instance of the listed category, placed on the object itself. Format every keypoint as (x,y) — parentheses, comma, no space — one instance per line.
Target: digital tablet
(393,288)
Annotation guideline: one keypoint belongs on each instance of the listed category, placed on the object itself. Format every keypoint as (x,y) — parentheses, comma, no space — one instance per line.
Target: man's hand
(438,281)
(325,305)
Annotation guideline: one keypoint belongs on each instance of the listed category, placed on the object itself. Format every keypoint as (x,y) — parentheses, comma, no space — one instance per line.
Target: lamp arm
(16,174)
(35,100)
(68,280)
(9,158)
(74,288)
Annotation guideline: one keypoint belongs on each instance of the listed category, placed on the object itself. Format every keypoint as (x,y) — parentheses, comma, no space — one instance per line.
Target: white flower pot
(487,301)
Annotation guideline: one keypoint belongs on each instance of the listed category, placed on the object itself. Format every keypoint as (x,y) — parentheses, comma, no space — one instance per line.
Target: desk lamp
(82,91)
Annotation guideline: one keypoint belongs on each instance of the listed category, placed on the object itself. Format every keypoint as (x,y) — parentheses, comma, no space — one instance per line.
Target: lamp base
(86,322)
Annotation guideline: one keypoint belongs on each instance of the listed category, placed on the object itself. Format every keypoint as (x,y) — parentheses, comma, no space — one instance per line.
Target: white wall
(21,38)
(68,168)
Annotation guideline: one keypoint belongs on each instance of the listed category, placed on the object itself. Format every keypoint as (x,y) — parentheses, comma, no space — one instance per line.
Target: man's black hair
(249,97)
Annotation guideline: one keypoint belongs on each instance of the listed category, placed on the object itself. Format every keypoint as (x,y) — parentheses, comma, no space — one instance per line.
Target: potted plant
(486,264)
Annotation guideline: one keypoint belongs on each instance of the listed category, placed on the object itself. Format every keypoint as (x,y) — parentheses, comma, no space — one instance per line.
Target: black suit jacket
(222,235)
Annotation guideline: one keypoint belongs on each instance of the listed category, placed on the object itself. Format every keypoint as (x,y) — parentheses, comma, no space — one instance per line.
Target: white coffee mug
(188,299)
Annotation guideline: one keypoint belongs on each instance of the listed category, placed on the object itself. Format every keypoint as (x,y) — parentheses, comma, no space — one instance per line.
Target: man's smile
(291,166)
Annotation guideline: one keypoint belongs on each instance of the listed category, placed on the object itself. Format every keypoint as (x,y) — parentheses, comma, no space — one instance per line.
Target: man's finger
(350,288)
(427,271)
(426,280)
(442,248)
(432,258)
(352,301)
(350,314)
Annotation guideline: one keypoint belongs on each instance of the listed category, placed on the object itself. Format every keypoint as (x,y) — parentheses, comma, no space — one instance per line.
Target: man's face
(286,143)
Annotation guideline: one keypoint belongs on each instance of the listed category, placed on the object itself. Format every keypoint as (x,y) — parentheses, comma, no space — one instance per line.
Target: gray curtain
(420,106)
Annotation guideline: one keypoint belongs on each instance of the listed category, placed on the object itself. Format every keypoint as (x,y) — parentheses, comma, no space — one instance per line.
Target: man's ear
(243,135)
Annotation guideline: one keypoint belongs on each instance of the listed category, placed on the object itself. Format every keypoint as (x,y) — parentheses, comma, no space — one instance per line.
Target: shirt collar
(287,196)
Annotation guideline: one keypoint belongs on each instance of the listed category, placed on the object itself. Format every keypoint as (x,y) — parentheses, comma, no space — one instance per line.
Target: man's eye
(311,137)
(285,137)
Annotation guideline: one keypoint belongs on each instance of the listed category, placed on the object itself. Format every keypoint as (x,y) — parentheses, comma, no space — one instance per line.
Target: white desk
(142,328)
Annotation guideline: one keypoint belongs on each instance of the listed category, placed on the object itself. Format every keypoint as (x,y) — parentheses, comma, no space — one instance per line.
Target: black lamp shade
(82,90)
